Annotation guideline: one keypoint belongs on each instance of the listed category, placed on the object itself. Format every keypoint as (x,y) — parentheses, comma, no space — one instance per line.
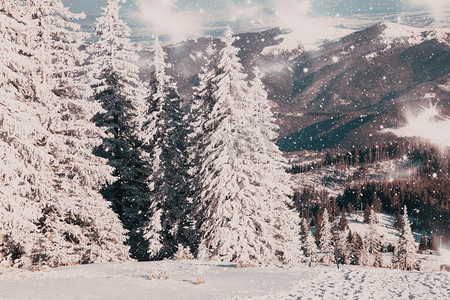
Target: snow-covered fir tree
(200,128)
(24,174)
(79,174)
(405,253)
(203,101)
(342,247)
(75,224)
(371,253)
(355,246)
(57,42)
(398,222)
(326,239)
(367,213)
(244,201)
(343,223)
(263,115)
(308,242)
(121,94)
(170,224)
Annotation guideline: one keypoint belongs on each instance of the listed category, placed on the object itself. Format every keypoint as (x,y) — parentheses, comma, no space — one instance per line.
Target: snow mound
(307,40)
(206,280)
(395,32)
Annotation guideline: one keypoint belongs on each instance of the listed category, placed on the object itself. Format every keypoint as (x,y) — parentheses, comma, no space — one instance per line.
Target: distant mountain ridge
(367,80)
(342,94)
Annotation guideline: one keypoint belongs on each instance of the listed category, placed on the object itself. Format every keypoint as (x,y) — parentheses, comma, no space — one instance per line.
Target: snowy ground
(131,281)
(207,280)
(389,235)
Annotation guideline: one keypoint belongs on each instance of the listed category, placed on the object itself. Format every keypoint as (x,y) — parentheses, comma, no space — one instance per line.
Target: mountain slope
(378,72)
(369,73)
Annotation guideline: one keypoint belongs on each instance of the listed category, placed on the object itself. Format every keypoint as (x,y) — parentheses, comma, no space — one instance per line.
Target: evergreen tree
(326,239)
(376,203)
(61,178)
(201,127)
(76,206)
(243,178)
(433,243)
(350,208)
(371,253)
(343,223)
(342,247)
(405,253)
(367,214)
(318,227)
(308,242)
(120,93)
(355,245)
(24,175)
(398,222)
(171,223)
(423,246)
(57,48)
(262,111)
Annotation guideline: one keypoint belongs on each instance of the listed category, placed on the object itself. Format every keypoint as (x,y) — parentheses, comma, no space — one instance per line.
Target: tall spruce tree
(79,174)
(398,224)
(245,208)
(405,253)
(371,253)
(57,47)
(326,239)
(202,104)
(24,175)
(74,223)
(122,97)
(170,224)
(342,247)
(343,223)
(308,242)
(355,246)
(318,226)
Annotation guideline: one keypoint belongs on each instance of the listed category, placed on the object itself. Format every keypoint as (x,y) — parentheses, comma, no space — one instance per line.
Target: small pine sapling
(405,253)
(371,252)
(326,240)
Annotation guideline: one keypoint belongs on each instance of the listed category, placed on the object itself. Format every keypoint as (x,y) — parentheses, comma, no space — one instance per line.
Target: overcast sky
(186,18)
(343,7)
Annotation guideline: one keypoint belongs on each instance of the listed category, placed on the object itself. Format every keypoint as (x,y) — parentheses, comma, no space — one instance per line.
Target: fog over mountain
(178,20)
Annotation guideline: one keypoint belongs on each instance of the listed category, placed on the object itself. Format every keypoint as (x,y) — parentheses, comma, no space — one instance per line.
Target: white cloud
(247,12)
(309,31)
(292,14)
(163,17)
(431,4)
(427,124)
(436,7)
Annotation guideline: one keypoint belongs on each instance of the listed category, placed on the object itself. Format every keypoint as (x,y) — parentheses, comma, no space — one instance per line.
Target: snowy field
(207,280)
(204,280)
